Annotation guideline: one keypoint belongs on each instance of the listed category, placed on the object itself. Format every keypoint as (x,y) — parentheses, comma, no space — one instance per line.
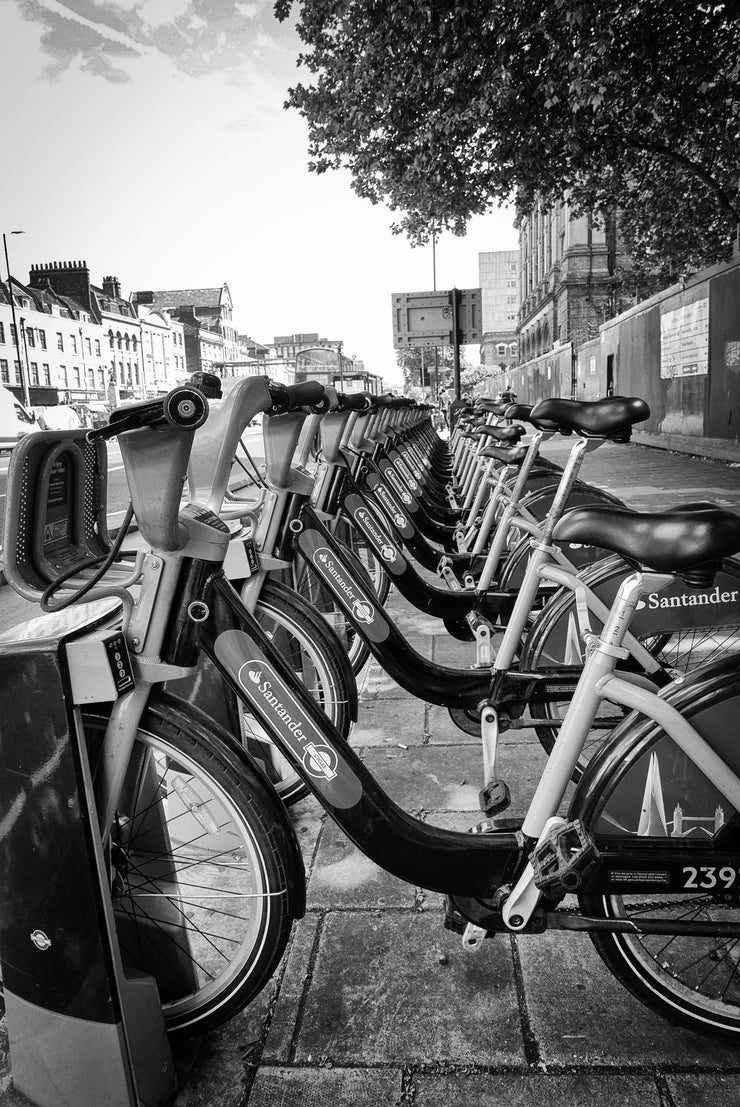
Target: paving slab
(544,1090)
(439,778)
(326,1087)
(383,722)
(396,987)
(343,877)
(580,1015)
(706,1090)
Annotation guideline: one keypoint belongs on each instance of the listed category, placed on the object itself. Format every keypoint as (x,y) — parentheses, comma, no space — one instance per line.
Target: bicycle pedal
(562,860)
(494,797)
(445,571)
(482,629)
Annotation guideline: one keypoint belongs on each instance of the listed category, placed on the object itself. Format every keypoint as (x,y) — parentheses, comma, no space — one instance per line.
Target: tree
(442,110)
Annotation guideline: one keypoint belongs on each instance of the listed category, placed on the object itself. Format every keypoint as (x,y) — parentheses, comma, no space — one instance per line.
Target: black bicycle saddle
(667,541)
(510,455)
(612,417)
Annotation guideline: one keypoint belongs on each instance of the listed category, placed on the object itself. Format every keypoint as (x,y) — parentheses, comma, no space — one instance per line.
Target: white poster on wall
(684,341)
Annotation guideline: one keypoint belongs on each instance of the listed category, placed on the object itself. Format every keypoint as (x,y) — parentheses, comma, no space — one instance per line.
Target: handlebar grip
(355,401)
(305,394)
(288,397)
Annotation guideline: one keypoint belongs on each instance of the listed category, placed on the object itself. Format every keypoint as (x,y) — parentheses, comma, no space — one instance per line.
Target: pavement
(376,1004)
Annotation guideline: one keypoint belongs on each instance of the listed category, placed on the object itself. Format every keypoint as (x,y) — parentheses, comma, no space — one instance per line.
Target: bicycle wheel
(556,639)
(689,980)
(320,663)
(201,860)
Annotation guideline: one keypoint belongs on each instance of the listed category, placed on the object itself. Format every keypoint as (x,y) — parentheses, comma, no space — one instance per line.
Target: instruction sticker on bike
(371,527)
(277,706)
(400,521)
(394,480)
(343,585)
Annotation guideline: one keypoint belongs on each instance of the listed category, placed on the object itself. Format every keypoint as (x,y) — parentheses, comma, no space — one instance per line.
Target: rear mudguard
(654,817)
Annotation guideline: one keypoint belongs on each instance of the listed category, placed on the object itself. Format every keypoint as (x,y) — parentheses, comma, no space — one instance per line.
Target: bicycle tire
(318,660)
(195,814)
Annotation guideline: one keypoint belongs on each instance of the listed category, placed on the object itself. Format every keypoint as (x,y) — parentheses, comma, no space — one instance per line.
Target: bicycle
(640,891)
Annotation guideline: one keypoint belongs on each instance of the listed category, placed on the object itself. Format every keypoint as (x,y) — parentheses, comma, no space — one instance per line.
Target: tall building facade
(498,276)
(567,263)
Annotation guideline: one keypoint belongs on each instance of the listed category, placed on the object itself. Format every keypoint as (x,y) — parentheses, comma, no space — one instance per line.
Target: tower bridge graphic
(653,822)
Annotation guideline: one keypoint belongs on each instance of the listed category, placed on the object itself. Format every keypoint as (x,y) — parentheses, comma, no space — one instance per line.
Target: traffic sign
(429,318)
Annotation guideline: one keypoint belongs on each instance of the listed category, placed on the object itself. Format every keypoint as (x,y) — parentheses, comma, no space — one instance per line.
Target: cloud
(197,36)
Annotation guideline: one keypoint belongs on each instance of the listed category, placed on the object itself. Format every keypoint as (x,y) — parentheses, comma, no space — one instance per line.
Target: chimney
(67,278)
(112,288)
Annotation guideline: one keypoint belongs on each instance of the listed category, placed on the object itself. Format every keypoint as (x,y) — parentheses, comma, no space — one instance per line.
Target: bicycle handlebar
(184,407)
(355,401)
(288,397)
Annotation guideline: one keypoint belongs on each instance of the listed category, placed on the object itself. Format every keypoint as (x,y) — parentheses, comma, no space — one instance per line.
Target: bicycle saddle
(503,434)
(510,455)
(667,541)
(612,417)
(494,406)
(524,411)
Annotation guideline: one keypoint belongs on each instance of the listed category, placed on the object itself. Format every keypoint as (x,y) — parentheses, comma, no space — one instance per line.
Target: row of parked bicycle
(248,616)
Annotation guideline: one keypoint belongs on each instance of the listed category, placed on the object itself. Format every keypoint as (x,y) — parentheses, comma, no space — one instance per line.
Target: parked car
(58,417)
(15,420)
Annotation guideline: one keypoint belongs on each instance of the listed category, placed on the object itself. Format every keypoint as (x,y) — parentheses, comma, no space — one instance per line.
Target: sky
(149,138)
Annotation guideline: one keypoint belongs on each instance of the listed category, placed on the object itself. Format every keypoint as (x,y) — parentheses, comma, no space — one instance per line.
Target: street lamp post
(21,368)
(341,368)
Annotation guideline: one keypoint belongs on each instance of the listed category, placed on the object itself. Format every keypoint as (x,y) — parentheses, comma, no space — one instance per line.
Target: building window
(512,349)
(4,371)
(91,378)
(592,366)
(78,379)
(63,376)
(511,284)
(30,338)
(89,347)
(34,373)
(47,374)
(60,341)
(110,339)
(42,339)
(2,332)
(513,266)
(97,347)
(13,334)
(73,341)
(101,380)
(501,349)
(17,370)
